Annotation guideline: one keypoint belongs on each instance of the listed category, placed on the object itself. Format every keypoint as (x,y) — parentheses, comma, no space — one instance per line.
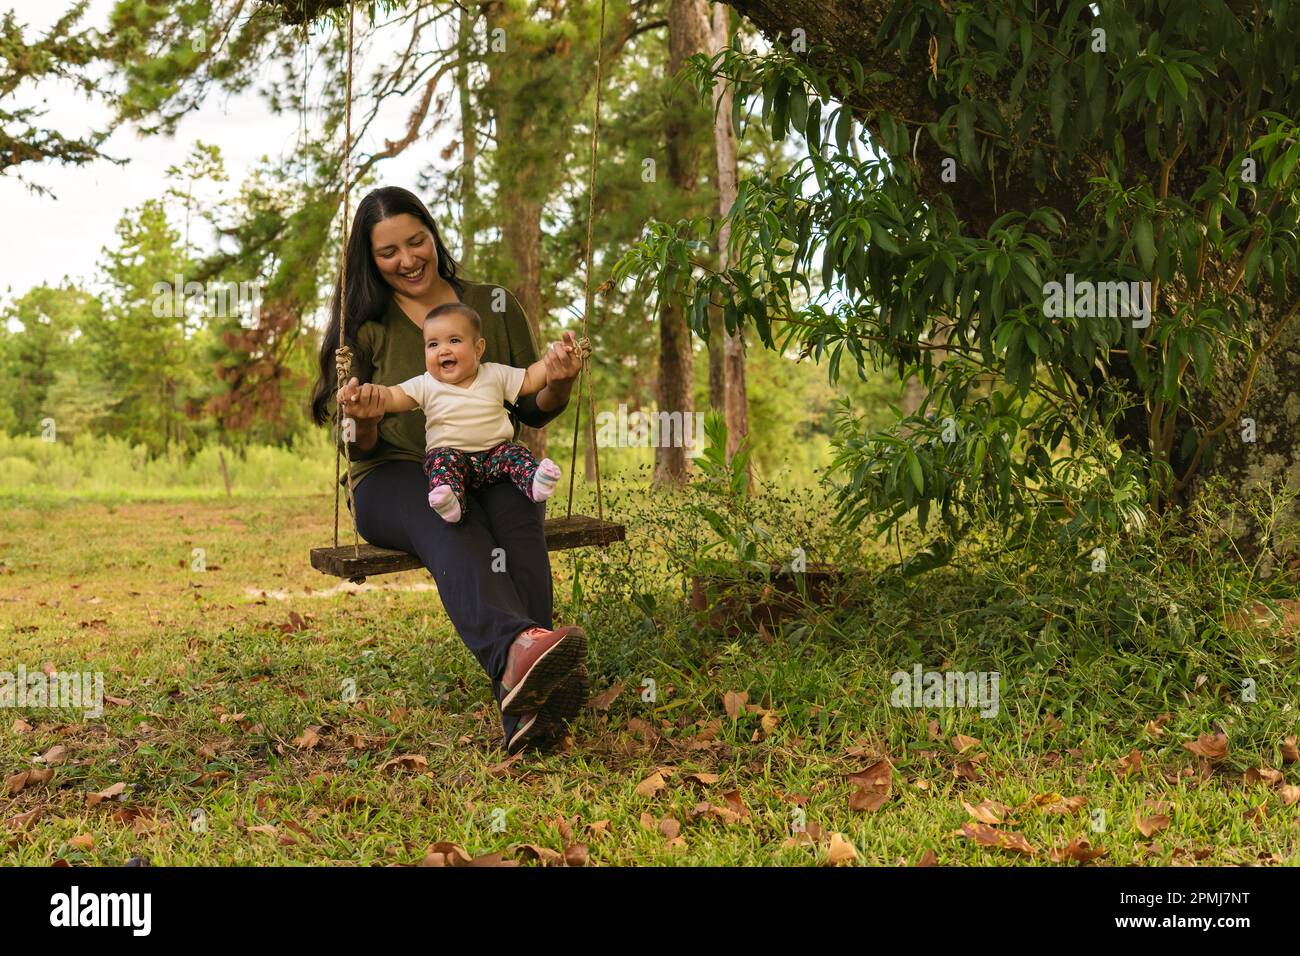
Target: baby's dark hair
(460,308)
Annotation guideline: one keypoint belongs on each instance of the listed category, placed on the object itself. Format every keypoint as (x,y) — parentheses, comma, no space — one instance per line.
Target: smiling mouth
(447,363)
(415,276)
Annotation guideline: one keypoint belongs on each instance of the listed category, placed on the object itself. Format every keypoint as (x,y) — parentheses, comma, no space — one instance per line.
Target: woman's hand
(563,361)
(364,403)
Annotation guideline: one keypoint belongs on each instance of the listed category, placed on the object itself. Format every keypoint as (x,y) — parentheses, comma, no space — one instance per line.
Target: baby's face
(451,350)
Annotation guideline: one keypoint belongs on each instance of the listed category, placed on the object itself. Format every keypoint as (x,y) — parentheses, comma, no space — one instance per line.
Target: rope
(343,354)
(584,344)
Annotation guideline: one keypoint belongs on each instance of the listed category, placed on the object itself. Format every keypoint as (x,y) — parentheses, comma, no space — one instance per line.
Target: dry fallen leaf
(988,811)
(1289,794)
(734,703)
(985,835)
(651,785)
(116,790)
(85,841)
(576,854)
(841,850)
(1055,803)
(27,778)
(1156,727)
(309,738)
(1078,850)
(874,786)
(1290,752)
(445,853)
(544,855)
(1265,775)
(404,762)
(1130,764)
(878,774)
(869,800)
(1212,747)
(736,803)
(21,726)
(961,743)
(1149,826)
(927,859)
(670,828)
(705,779)
(54,757)
(642,729)
(503,768)
(23,820)
(603,700)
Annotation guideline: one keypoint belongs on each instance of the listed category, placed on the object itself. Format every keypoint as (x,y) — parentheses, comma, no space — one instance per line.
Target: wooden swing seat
(357,562)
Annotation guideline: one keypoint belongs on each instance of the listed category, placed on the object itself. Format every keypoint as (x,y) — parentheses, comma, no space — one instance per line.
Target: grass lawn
(238,739)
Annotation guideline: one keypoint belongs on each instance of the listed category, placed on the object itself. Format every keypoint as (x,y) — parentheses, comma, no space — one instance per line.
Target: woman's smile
(415,276)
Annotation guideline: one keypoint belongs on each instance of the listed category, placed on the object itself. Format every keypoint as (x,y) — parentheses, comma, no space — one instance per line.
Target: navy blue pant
(488,608)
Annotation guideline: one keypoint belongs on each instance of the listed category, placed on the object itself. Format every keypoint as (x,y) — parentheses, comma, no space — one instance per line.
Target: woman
(492,569)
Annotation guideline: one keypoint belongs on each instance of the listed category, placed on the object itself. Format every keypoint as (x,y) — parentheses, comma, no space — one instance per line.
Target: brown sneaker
(538,661)
(527,732)
(565,703)
(543,730)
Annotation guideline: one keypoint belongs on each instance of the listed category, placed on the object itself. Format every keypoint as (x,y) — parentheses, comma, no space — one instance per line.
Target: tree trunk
(688,34)
(717,372)
(736,394)
(469,145)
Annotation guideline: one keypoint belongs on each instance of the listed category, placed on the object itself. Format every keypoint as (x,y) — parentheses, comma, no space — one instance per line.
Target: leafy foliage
(1083,416)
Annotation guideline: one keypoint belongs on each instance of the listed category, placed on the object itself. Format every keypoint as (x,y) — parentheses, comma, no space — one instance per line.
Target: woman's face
(403,250)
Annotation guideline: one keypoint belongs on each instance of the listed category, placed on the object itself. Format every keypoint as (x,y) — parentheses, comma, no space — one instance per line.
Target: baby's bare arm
(395,400)
(534,379)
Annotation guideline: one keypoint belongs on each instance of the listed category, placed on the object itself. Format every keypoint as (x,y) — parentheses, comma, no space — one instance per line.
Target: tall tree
(688,34)
(143,347)
(735,391)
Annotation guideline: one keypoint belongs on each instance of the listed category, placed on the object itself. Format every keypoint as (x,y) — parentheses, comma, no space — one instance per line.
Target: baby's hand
(563,361)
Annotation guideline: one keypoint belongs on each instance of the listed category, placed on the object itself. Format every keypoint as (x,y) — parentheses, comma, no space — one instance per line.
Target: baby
(467,431)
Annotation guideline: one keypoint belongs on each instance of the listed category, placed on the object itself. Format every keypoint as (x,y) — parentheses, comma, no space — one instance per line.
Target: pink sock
(443,500)
(545,480)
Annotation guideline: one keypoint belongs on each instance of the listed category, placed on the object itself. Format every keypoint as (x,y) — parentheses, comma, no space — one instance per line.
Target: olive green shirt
(391,350)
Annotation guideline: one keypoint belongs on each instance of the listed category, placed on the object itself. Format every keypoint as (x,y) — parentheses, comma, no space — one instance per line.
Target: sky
(64,236)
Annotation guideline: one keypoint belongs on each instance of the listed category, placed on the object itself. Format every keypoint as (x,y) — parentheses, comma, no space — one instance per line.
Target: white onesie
(471,418)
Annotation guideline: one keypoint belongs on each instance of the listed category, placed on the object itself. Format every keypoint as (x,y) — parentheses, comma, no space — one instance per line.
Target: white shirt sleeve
(418,388)
(510,378)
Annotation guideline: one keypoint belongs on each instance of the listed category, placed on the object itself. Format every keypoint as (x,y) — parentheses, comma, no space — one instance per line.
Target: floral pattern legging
(506,462)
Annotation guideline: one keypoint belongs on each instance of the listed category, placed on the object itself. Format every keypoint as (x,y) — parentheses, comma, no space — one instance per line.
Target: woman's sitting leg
(483,604)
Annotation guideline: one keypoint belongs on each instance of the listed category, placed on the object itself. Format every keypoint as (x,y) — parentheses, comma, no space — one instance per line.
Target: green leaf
(914,469)
(1153,82)
(1056,101)
(1144,240)
(1179,81)
(843,128)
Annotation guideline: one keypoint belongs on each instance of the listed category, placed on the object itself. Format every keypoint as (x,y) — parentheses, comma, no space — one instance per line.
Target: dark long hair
(368,294)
